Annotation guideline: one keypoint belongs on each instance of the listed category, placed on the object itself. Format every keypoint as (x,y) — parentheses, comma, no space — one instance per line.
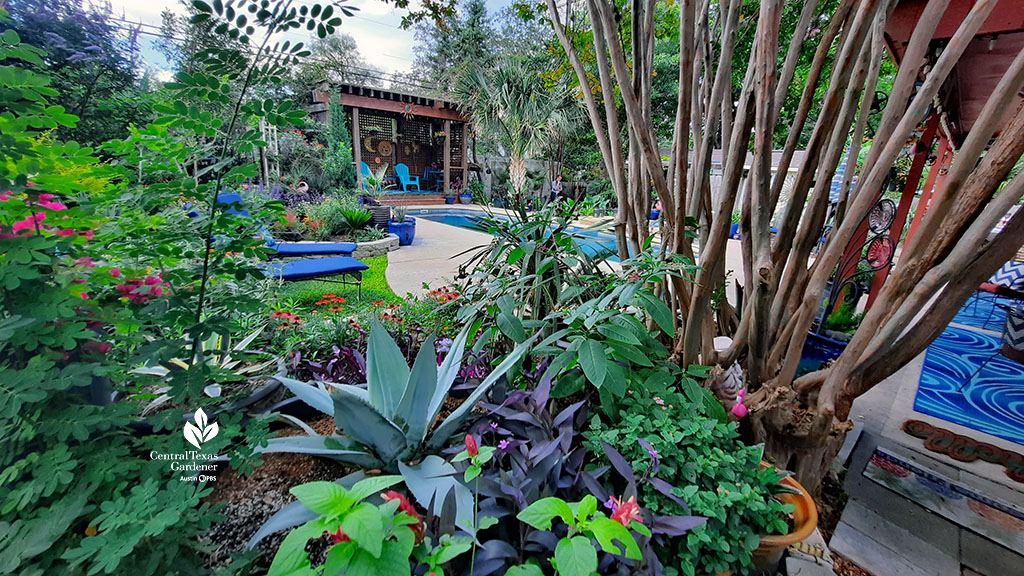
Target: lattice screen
(377,134)
(456,138)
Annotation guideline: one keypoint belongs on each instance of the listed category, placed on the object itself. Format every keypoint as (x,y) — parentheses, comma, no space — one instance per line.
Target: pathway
(430,257)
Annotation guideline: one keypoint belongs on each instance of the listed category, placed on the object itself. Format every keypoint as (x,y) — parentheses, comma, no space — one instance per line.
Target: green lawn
(375,287)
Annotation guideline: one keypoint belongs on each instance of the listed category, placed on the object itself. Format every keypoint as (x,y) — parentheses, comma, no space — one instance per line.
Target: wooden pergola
(391,127)
(959,104)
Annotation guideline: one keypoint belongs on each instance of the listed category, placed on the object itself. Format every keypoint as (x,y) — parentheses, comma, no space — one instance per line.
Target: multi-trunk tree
(610,46)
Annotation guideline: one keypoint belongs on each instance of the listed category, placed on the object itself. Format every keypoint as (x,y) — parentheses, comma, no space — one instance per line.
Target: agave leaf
(321,446)
(455,419)
(431,481)
(386,370)
(310,394)
(357,419)
(152,371)
(294,514)
(447,372)
(299,423)
(155,403)
(412,410)
(244,343)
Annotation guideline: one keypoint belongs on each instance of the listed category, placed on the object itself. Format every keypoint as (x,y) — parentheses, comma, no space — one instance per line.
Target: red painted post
(922,149)
(943,157)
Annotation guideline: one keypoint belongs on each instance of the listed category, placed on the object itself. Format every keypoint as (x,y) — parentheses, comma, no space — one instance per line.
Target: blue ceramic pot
(655,214)
(406,231)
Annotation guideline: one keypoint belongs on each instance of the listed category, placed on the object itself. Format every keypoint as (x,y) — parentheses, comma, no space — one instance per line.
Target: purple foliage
(345,365)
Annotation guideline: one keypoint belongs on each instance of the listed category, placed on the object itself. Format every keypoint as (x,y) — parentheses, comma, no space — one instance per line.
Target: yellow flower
(91,531)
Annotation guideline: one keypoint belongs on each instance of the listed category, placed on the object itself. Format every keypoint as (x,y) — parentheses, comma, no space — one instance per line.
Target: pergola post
(357,147)
(465,158)
(930,185)
(922,150)
(447,156)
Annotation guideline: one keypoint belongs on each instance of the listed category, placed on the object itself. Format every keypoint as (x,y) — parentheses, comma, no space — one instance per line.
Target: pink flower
(45,196)
(84,295)
(5,196)
(151,280)
(88,234)
(52,205)
(29,222)
(65,232)
(156,291)
(78,281)
(30,183)
(115,272)
(626,512)
(85,261)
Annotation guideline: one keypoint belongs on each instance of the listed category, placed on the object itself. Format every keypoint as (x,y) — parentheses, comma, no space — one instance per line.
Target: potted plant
(734,229)
(375,183)
(402,226)
(805,519)
(465,196)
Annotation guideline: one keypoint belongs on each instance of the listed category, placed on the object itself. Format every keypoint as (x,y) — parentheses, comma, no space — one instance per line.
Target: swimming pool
(591,242)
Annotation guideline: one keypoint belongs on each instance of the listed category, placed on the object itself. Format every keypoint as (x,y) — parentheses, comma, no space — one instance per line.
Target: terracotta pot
(805,518)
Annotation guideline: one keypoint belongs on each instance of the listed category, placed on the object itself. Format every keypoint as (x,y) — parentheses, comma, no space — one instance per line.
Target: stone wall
(376,248)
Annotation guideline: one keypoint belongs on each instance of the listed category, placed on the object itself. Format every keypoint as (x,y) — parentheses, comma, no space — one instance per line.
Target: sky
(376,28)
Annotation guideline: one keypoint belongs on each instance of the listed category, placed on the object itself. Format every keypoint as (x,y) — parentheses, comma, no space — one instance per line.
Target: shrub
(714,472)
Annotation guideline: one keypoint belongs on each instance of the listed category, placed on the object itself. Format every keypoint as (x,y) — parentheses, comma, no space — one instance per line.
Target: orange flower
(378,303)
(627,512)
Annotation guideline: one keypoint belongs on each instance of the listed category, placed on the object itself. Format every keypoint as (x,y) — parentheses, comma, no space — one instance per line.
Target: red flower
(378,303)
(339,536)
(319,302)
(329,296)
(407,507)
(336,308)
(627,512)
(471,445)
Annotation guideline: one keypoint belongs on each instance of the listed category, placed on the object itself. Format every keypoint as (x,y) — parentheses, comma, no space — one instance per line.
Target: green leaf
(511,326)
(386,371)
(543,511)
(325,498)
(606,530)
(593,361)
(587,507)
(364,526)
(619,333)
(658,311)
(372,485)
(393,560)
(525,570)
(630,353)
(575,557)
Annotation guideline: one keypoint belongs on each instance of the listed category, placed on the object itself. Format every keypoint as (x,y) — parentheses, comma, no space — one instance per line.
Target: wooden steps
(413,199)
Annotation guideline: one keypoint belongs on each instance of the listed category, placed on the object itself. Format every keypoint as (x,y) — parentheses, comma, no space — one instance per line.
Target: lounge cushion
(314,268)
(1011,275)
(313,248)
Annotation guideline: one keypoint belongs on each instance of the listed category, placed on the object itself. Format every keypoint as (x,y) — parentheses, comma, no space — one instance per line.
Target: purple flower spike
(494,425)
(503,444)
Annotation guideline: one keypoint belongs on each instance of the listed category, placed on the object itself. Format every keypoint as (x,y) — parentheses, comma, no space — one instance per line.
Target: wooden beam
(447,156)
(935,177)
(465,159)
(357,147)
(435,111)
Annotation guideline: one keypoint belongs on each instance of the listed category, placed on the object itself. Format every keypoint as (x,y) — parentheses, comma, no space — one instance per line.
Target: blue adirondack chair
(402,171)
(364,168)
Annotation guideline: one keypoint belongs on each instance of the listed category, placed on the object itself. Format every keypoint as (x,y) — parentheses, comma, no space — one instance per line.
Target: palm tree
(509,101)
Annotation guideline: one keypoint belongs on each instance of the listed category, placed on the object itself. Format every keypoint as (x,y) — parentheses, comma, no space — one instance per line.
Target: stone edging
(376,248)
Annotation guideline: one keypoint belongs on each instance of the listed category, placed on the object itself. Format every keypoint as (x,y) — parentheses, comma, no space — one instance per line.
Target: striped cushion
(1010,275)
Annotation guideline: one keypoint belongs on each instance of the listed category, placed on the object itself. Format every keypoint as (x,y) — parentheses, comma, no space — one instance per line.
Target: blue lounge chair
(288,249)
(364,168)
(402,171)
(319,269)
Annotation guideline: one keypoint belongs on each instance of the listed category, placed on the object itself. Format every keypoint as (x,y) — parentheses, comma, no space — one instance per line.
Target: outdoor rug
(992,402)
(1000,522)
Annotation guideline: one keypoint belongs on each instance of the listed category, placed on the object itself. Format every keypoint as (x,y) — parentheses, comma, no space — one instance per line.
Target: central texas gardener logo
(200,432)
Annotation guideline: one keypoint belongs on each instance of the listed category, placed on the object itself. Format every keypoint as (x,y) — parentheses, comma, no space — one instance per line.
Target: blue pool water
(591,242)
